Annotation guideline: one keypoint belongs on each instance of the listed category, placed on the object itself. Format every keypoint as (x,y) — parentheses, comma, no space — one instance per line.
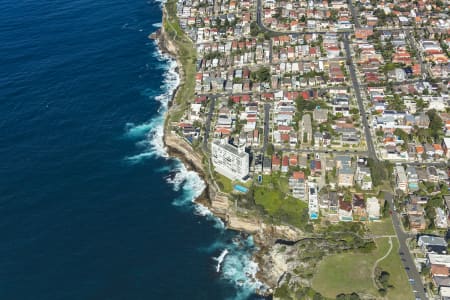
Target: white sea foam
(161,2)
(220,259)
(236,265)
(189,182)
(137,131)
(135,159)
(239,269)
(157,25)
(153,130)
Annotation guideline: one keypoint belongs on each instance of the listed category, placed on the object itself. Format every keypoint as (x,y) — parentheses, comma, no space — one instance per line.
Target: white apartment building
(401,179)
(313,202)
(230,161)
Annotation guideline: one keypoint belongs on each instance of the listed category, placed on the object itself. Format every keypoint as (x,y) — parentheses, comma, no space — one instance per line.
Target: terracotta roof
(439,270)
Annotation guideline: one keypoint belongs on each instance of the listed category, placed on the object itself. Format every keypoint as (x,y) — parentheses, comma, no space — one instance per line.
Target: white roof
(445,291)
(447,142)
(439,259)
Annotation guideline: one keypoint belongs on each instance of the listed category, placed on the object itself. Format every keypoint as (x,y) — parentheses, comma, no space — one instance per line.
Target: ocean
(91,207)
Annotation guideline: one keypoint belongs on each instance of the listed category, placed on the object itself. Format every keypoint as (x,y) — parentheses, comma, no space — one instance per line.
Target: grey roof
(432,240)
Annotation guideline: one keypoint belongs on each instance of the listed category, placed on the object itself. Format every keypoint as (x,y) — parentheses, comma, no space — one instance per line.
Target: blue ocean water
(90,207)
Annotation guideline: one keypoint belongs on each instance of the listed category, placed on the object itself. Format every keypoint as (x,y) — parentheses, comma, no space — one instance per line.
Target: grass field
(352,272)
(399,278)
(384,227)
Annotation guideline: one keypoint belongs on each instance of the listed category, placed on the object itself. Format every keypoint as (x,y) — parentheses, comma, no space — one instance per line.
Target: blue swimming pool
(240,188)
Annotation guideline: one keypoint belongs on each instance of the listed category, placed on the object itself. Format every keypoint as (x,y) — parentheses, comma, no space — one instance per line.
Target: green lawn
(399,278)
(351,272)
(225,184)
(384,227)
(273,196)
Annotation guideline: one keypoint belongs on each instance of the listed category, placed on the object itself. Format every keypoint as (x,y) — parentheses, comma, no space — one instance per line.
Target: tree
(379,171)
(317,296)
(436,124)
(263,74)
(254,29)
(420,104)
(402,135)
(270,149)
(384,279)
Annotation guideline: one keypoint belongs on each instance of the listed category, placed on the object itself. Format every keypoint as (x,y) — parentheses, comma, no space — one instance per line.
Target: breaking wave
(151,133)
(234,261)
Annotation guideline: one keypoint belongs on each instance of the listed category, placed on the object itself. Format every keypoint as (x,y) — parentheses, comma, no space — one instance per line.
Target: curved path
(379,260)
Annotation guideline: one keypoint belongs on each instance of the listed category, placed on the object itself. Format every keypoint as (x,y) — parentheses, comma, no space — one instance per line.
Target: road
(397,83)
(208,123)
(266,126)
(334,151)
(357,91)
(405,255)
(413,44)
(355,14)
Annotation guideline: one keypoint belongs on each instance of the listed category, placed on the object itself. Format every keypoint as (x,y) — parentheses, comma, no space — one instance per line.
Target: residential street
(357,92)
(405,255)
(266,126)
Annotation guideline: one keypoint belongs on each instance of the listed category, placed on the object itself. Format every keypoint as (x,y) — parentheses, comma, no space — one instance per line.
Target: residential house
(313,203)
(438,259)
(373,209)
(432,244)
(329,202)
(345,211)
(285,164)
(441,220)
(413,179)
(417,223)
(363,178)
(345,177)
(416,217)
(293,160)
(276,163)
(359,208)
(400,179)
(433,175)
(446,147)
(343,161)
(297,185)
(316,167)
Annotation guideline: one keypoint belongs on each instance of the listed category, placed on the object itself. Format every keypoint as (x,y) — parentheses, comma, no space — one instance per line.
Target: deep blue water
(86,208)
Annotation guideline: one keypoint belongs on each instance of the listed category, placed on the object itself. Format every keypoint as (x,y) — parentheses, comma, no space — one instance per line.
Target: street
(266,126)
(405,255)
(357,91)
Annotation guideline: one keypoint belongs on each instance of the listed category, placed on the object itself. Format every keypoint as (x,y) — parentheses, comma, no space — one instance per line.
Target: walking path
(379,260)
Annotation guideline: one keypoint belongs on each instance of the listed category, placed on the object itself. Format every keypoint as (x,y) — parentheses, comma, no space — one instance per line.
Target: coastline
(265,235)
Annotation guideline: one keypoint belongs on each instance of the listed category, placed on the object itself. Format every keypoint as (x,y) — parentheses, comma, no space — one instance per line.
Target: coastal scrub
(186,57)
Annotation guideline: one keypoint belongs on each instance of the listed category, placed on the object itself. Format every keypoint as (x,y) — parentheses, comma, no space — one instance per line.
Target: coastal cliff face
(217,202)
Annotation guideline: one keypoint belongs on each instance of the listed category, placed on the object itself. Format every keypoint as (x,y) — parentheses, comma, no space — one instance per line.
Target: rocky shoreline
(217,202)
